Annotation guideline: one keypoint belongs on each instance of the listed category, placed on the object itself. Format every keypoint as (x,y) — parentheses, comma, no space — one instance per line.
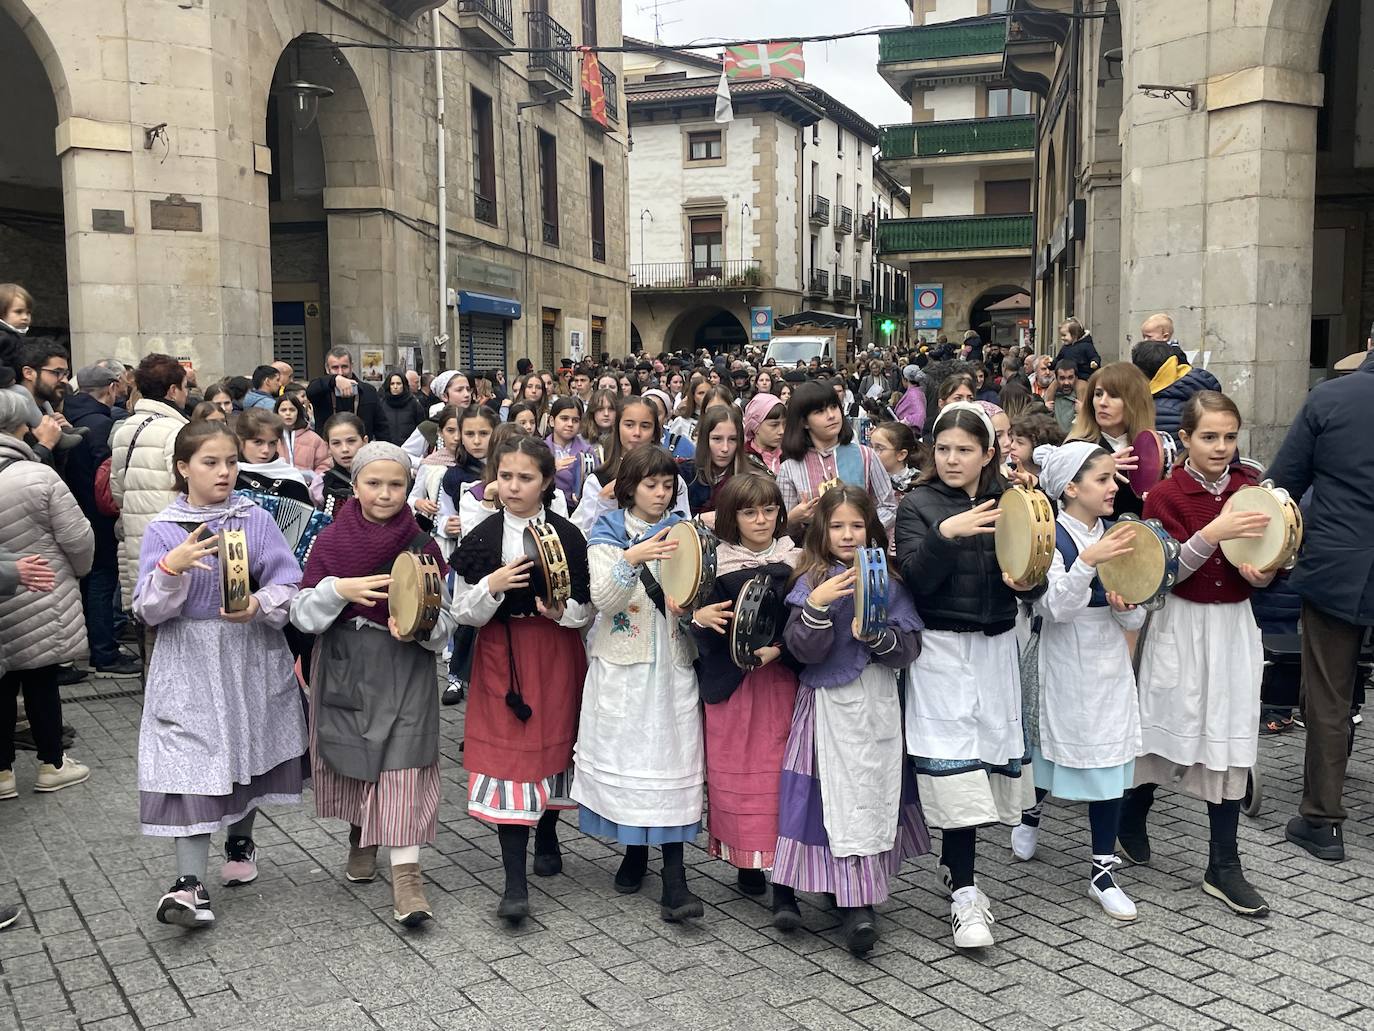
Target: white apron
(859,762)
(963,698)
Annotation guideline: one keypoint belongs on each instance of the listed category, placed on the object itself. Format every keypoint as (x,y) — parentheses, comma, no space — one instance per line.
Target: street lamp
(305,102)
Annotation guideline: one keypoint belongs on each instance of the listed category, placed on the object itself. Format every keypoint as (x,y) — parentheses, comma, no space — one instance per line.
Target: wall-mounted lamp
(1111,66)
(305,102)
(1185,95)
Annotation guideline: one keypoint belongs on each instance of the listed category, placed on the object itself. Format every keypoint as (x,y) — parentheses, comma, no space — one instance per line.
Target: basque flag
(765,61)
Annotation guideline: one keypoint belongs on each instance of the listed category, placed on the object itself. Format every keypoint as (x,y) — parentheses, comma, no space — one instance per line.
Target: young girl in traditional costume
(1085,730)
(748,713)
(639,763)
(818,447)
(1201,663)
(764,419)
(720,455)
(963,694)
(223,731)
(848,815)
(426,493)
(374,711)
(902,455)
(637,427)
(568,445)
(528,670)
(344,432)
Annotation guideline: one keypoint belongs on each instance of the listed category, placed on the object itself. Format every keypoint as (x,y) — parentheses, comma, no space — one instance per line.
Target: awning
(488,304)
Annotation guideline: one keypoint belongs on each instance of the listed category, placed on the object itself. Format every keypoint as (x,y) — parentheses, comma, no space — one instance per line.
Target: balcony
(844,288)
(410,10)
(844,220)
(933,53)
(956,237)
(866,291)
(611,90)
(817,283)
(550,69)
(866,227)
(484,209)
(739,274)
(980,141)
(488,24)
(820,210)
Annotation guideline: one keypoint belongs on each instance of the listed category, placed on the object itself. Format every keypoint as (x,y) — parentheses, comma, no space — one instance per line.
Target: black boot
(677,903)
(1225,880)
(860,929)
(548,858)
(1131,835)
(1323,840)
(751,882)
(786,915)
(515,900)
(631,873)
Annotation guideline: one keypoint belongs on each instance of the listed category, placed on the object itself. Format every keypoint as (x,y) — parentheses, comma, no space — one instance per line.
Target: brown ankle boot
(408,896)
(362,862)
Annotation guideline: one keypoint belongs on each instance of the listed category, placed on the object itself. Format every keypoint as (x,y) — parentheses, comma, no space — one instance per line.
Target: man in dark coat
(90,405)
(1330,450)
(341,391)
(1172,381)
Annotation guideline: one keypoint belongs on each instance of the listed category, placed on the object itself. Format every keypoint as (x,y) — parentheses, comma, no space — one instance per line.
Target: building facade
(967,157)
(773,209)
(1215,161)
(236,180)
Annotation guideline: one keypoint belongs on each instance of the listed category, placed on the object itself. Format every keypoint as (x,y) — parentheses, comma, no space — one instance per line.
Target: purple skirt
(179,816)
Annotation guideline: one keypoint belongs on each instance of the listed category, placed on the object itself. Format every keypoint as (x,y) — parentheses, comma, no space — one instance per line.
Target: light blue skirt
(592,823)
(1076,785)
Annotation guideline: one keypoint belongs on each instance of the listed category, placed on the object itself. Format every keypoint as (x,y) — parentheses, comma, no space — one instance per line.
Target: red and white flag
(593,86)
(765,61)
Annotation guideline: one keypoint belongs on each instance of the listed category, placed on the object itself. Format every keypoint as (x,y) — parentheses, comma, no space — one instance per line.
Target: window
(548,186)
(1008,197)
(708,246)
(815,132)
(839,141)
(1007,101)
(548,338)
(483,160)
(596,196)
(997,6)
(704,146)
(589,23)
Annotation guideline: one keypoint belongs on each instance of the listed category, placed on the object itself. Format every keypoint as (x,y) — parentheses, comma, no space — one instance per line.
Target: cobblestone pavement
(302,948)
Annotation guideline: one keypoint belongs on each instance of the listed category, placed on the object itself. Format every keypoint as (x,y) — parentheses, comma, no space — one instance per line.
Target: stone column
(1217,195)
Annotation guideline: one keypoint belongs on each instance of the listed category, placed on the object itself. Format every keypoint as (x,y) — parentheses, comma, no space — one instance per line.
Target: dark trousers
(97,601)
(1330,650)
(42,705)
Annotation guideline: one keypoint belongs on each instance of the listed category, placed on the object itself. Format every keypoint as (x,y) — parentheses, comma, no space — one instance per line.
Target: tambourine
(1024,537)
(1154,454)
(870,591)
(827,486)
(416,593)
(234,592)
(755,624)
(549,577)
(1146,573)
(583,467)
(689,572)
(1278,547)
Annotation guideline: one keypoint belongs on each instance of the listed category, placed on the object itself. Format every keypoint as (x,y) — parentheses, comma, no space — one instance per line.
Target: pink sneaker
(240,862)
(186,905)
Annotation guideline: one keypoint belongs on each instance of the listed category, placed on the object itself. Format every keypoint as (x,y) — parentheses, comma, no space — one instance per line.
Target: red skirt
(550,669)
(746,738)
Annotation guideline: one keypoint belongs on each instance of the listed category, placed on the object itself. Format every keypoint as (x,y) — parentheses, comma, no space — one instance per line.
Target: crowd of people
(817,763)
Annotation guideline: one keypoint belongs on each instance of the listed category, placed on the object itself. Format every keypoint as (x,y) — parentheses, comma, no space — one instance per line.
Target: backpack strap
(1068,551)
(133,441)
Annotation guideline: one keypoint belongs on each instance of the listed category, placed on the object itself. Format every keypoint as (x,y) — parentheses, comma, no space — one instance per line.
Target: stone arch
(683,331)
(984,322)
(32,29)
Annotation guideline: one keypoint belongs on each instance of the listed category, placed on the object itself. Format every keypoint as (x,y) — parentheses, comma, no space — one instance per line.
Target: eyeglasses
(63,373)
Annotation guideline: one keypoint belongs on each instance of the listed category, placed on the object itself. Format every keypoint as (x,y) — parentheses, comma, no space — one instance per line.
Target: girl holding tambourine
(848,814)
(1201,662)
(1085,727)
(527,672)
(374,713)
(963,694)
(639,762)
(747,712)
(637,426)
(223,729)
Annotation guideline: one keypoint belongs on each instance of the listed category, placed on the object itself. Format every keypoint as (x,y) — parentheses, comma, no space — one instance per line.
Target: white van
(785,351)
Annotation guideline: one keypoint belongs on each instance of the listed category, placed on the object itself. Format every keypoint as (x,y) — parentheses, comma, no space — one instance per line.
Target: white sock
(405,854)
(966,896)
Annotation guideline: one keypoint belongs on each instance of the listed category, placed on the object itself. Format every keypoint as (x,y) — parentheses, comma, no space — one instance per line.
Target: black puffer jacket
(1083,353)
(397,417)
(956,584)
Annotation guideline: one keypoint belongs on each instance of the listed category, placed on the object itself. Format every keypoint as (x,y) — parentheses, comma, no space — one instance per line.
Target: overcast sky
(847,69)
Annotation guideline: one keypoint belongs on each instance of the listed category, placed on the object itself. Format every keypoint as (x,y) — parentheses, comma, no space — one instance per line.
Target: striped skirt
(516,802)
(803,859)
(400,809)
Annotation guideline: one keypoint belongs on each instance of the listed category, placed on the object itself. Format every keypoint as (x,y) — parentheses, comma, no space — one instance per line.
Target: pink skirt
(746,738)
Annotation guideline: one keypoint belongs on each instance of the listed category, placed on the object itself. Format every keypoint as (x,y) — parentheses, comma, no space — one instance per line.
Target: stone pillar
(1217,197)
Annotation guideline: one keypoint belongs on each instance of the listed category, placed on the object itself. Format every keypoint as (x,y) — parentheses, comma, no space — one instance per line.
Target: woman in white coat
(1084,730)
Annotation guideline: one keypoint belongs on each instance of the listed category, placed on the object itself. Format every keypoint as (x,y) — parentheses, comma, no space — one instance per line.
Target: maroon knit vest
(1184,506)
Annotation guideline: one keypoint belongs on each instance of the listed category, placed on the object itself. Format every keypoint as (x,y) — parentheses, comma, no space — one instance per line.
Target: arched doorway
(326,258)
(995,314)
(33,237)
(716,329)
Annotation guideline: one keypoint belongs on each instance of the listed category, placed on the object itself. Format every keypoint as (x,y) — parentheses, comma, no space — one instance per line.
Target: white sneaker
(52,778)
(1103,887)
(970,917)
(1023,840)
(8,788)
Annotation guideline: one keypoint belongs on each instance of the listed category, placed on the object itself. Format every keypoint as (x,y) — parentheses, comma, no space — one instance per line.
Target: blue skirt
(591,823)
(1076,785)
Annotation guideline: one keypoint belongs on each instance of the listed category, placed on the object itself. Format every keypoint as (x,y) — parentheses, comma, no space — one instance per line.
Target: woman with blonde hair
(1117,406)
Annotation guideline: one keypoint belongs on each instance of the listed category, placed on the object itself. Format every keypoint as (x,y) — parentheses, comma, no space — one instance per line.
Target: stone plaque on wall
(176,213)
(109,220)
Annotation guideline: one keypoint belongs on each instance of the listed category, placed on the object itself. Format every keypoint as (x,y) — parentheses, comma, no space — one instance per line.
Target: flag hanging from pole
(765,61)
(593,86)
(725,111)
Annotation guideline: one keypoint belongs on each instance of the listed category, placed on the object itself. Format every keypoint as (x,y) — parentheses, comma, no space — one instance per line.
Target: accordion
(288,503)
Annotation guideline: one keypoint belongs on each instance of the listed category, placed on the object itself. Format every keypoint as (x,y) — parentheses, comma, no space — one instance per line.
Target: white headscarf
(973,408)
(439,383)
(1059,465)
